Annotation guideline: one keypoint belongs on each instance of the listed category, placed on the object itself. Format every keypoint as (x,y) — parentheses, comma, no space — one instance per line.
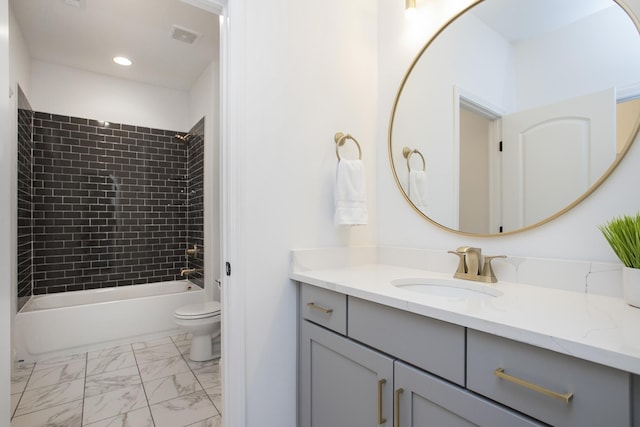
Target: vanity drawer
(324,307)
(538,383)
(435,346)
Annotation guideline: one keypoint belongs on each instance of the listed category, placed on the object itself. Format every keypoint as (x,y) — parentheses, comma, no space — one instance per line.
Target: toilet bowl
(202,320)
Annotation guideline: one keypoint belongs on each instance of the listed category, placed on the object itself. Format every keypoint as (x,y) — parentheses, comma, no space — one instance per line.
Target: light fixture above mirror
(546,81)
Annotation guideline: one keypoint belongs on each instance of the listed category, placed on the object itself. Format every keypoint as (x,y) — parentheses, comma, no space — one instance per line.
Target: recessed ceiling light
(121,60)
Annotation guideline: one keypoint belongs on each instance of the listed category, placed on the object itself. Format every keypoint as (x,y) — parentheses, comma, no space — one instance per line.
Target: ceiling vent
(183,34)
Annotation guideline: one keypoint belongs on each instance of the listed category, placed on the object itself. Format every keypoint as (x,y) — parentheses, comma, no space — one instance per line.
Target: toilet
(202,320)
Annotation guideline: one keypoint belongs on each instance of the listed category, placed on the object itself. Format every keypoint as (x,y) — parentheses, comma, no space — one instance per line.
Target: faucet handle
(465,249)
(487,270)
(461,264)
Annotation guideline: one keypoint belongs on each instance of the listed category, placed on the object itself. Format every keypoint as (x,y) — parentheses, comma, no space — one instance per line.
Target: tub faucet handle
(192,251)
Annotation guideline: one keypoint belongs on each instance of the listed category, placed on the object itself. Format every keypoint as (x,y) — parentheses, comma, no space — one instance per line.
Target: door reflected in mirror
(520,109)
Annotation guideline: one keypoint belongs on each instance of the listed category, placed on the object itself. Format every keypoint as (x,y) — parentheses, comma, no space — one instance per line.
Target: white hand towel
(418,189)
(350,194)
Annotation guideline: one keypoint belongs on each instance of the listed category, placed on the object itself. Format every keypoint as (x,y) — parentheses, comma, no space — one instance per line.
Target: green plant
(623,235)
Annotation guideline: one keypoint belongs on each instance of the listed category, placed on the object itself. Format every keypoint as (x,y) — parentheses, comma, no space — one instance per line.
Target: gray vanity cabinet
(343,384)
(423,400)
(558,389)
(364,364)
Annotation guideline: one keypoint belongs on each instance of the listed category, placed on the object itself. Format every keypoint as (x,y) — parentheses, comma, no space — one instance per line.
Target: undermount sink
(452,288)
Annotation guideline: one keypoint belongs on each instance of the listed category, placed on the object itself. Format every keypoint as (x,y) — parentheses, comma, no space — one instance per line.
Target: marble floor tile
(209,422)
(21,371)
(20,374)
(65,415)
(215,394)
(18,387)
(109,351)
(113,403)
(182,339)
(47,397)
(114,362)
(171,387)
(152,343)
(112,380)
(43,364)
(200,365)
(184,349)
(183,411)
(162,368)
(55,374)
(136,418)
(163,351)
(208,376)
(147,384)
(15,398)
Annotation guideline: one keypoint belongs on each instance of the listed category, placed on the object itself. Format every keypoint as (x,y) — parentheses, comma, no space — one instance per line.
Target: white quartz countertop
(597,328)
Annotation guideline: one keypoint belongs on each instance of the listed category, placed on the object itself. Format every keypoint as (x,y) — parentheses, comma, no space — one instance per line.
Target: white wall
(472,58)
(7,218)
(204,102)
(572,236)
(72,92)
(310,72)
(599,59)
(20,64)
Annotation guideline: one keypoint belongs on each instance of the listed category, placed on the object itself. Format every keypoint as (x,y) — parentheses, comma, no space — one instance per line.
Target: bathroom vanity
(371,353)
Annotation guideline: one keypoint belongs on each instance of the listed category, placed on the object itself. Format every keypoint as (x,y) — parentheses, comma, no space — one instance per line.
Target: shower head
(184,137)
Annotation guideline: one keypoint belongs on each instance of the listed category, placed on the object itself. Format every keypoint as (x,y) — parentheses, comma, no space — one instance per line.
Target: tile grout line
(84,388)
(144,389)
(184,357)
(13,414)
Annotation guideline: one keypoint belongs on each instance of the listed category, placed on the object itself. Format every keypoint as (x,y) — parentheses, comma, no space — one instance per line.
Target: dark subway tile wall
(195,219)
(109,204)
(24,232)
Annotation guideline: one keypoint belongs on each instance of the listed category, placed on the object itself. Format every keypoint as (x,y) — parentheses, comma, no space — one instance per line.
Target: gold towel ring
(340,139)
(407,152)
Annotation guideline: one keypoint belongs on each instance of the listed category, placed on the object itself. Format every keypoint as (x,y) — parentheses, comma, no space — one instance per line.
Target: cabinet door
(342,383)
(423,400)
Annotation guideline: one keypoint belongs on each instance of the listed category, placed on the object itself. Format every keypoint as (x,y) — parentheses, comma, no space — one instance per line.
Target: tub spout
(187,271)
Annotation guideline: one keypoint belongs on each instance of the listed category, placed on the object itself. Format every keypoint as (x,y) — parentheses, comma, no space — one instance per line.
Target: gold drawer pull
(396,407)
(565,397)
(381,419)
(319,308)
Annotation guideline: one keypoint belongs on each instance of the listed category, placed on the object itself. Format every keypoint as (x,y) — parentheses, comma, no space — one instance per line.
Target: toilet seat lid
(200,309)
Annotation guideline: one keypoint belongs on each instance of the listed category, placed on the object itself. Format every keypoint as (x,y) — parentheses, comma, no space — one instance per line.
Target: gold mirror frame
(588,192)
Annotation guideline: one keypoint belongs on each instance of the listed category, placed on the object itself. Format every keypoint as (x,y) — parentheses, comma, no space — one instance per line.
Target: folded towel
(418,189)
(350,194)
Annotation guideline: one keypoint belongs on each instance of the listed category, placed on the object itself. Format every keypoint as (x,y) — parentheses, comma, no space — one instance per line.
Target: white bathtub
(72,322)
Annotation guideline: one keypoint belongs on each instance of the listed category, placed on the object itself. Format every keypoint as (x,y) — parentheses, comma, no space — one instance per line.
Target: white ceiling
(518,20)
(89,36)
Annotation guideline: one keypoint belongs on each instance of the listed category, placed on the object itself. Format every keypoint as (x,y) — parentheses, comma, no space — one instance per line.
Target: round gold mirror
(515,111)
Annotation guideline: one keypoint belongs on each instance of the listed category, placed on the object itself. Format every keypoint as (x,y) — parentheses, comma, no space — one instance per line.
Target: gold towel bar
(407,152)
(340,139)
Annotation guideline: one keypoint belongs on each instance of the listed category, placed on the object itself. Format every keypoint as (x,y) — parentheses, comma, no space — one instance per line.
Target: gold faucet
(187,271)
(469,265)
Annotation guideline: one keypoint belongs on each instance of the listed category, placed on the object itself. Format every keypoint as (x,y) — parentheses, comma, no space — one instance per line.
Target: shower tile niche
(112,204)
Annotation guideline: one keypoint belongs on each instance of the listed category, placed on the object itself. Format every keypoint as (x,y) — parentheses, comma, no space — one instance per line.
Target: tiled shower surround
(113,204)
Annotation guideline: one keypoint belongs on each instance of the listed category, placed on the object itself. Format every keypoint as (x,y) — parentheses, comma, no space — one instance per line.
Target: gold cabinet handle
(314,306)
(381,419)
(565,397)
(396,407)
